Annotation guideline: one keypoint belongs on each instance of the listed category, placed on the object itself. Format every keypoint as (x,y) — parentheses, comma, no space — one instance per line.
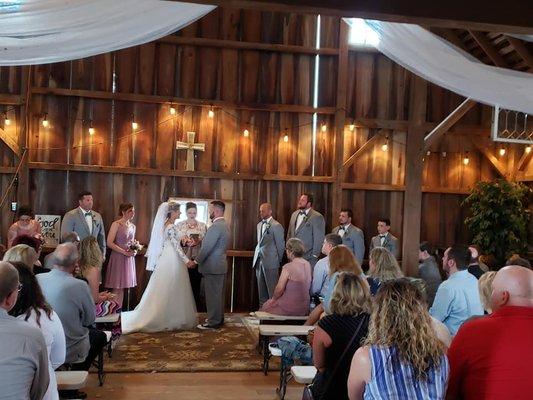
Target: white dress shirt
(343,229)
(88,219)
(300,218)
(263,227)
(382,238)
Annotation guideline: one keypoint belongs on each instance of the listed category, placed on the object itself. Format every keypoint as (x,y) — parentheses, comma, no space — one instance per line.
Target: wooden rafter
(524,161)
(448,122)
(451,37)
(521,49)
(360,151)
(488,48)
(482,146)
(10,99)
(9,141)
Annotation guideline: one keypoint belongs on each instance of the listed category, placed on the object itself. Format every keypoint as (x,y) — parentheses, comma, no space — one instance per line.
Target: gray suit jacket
(355,240)
(391,244)
(212,257)
(428,270)
(311,231)
(270,246)
(71,299)
(74,221)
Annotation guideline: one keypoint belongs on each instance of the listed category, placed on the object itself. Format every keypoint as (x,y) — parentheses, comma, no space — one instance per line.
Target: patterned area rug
(232,348)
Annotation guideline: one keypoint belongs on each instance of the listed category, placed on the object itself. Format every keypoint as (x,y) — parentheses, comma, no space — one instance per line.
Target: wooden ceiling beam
(483,147)
(359,152)
(524,161)
(447,14)
(488,48)
(10,142)
(448,122)
(521,49)
(451,37)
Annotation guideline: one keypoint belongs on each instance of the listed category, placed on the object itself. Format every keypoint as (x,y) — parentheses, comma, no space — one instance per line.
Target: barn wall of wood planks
(257,71)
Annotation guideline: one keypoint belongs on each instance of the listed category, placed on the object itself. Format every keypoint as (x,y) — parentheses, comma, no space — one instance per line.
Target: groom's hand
(191,264)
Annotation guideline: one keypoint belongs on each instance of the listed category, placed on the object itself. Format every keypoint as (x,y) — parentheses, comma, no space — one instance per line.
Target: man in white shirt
(84,221)
(23,356)
(321,270)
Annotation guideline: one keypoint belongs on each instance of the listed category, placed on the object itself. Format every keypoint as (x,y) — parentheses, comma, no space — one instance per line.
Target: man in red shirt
(491,357)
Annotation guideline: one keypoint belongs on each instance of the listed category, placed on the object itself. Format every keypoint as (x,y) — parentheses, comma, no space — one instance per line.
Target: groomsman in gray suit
(309,226)
(268,253)
(213,265)
(352,236)
(84,221)
(385,238)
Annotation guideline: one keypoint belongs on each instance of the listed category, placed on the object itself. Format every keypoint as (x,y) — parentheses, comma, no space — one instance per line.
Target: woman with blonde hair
(402,356)
(382,267)
(90,266)
(339,334)
(485,290)
(291,295)
(22,253)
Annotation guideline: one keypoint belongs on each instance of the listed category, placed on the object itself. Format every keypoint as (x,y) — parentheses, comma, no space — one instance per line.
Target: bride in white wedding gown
(168,302)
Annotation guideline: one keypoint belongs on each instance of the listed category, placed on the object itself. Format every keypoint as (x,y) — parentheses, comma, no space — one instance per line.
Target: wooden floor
(190,386)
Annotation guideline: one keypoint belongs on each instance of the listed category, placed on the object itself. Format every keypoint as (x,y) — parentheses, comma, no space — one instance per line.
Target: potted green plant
(499,217)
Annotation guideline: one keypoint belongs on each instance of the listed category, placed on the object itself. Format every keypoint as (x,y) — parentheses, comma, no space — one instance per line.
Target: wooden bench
(71,380)
(266,318)
(268,331)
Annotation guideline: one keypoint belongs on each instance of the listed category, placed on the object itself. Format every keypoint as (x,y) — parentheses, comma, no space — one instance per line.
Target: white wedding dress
(168,302)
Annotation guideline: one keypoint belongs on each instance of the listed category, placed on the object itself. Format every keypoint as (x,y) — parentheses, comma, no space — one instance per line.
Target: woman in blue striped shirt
(402,358)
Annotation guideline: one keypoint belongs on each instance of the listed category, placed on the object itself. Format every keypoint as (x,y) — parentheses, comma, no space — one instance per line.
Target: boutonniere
(306,218)
(267,227)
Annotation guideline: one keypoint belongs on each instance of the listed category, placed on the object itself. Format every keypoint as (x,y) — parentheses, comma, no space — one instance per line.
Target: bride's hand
(191,264)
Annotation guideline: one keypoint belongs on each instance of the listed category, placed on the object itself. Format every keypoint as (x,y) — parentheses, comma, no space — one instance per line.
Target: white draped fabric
(46,31)
(438,61)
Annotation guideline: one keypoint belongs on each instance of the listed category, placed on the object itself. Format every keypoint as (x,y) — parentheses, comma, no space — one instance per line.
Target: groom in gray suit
(268,253)
(352,236)
(213,265)
(309,226)
(84,221)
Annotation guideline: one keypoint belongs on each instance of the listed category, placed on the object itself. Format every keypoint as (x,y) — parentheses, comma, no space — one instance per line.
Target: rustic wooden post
(340,116)
(412,203)
(23,189)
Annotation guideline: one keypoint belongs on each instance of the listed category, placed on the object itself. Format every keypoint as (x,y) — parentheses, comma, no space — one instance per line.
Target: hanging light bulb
(466,159)
(172,110)
(444,154)
(7,121)
(352,127)
(45,121)
(428,153)
(502,151)
(385,146)
(91,129)
(211,113)
(527,149)
(134,125)
(246,132)
(324,127)
(286,138)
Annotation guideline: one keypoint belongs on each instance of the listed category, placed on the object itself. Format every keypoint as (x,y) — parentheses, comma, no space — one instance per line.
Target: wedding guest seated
(72,300)
(291,295)
(457,298)
(90,266)
(25,225)
(23,359)
(382,267)
(2,250)
(321,269)
(402,358)
(490,357)
(35,244)
(71,237)
(515,259)
(485,290)
(22,253)
(474,266)
(32,308)
(339,334)
(428,270)
(340,259)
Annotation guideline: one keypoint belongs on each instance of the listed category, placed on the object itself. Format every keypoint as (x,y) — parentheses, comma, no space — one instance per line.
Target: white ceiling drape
(438,61)
(46,31)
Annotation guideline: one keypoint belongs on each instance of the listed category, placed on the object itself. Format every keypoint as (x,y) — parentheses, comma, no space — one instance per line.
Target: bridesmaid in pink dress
(291,295)
(121,273)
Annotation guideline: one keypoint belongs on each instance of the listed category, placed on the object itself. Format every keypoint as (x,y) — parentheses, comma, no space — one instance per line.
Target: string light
(134,125)
(246,132)
(527,149)
(211,113)
(385,146)
(428,153)
(286,137)
(502,151)
(45,121)
(444,154)
(352,127)
(91,129)
(172,110)
(466,159)
(7,121)
(324,127)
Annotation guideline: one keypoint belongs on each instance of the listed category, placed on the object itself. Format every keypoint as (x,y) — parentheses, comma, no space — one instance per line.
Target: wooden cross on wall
(190,146)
